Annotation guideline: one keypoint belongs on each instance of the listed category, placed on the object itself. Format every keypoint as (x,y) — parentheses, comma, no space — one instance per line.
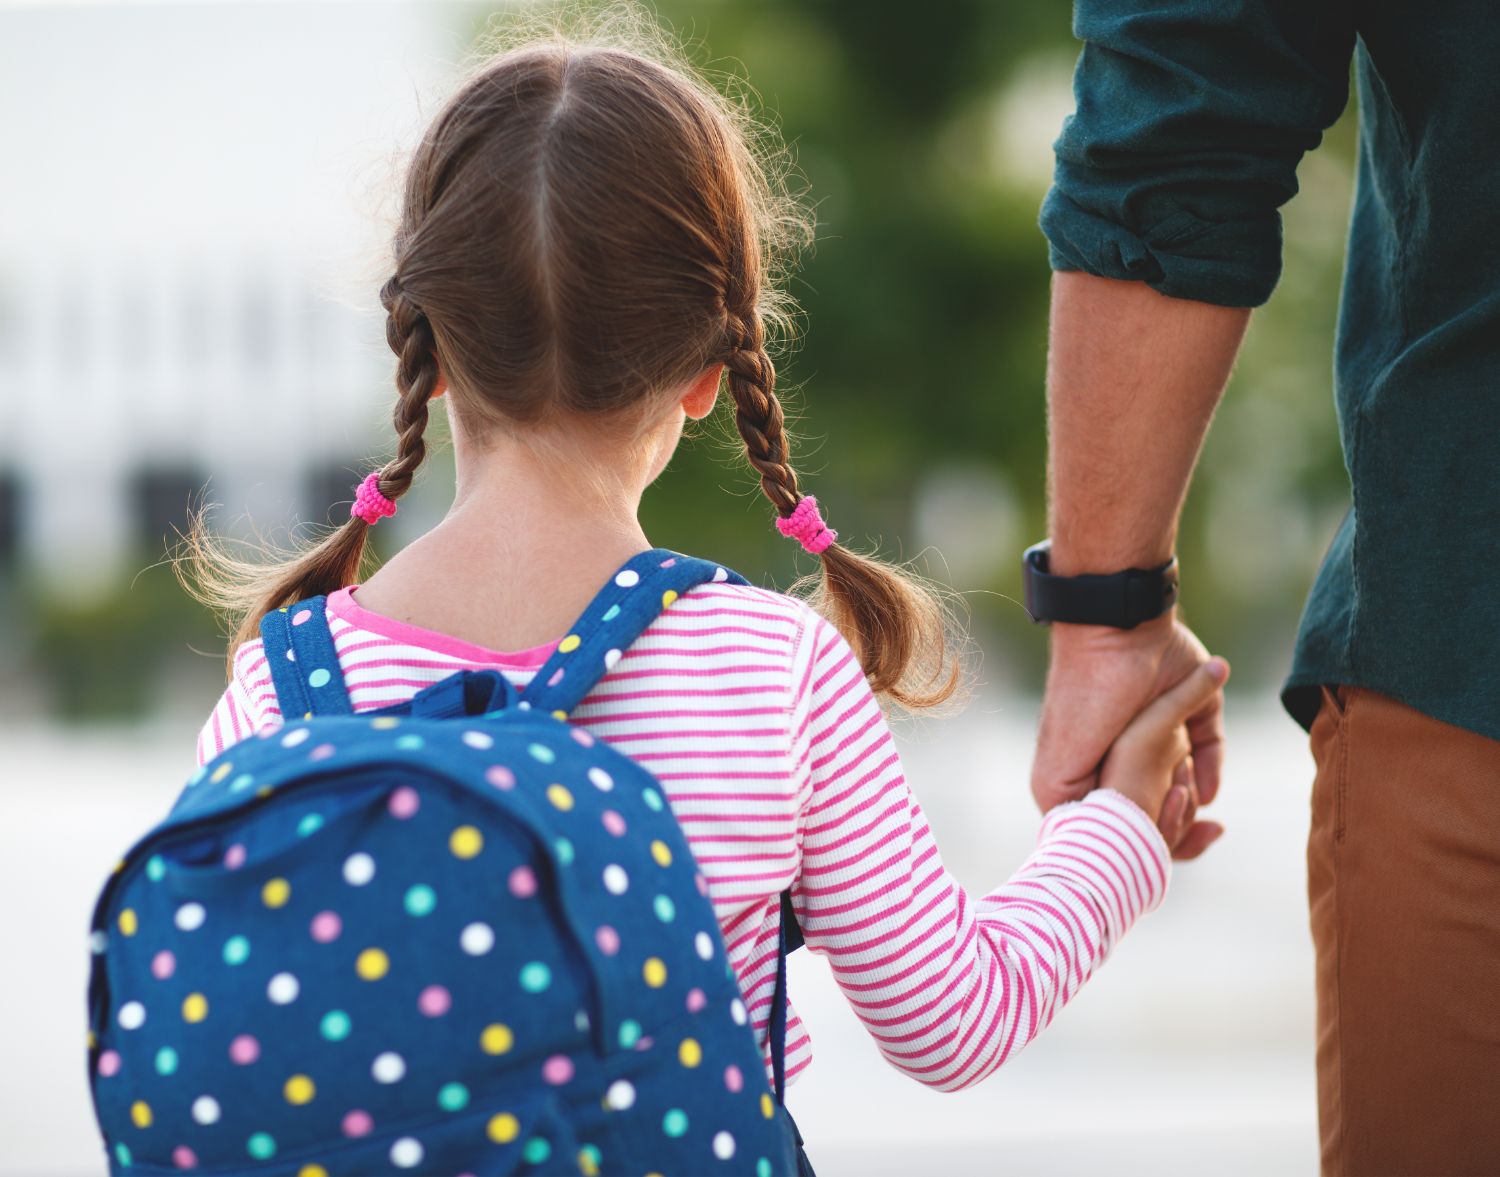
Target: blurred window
(12,335)
(330,491)
(75,316)
(10,518)
(133,325)
(316,325)
(257,324)
(161,497)
(195,310)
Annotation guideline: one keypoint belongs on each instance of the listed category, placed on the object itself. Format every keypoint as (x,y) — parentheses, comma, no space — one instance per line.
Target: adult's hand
(1100,679)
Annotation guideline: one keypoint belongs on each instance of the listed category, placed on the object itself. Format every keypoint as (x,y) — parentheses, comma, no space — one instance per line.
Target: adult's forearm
(1133,378)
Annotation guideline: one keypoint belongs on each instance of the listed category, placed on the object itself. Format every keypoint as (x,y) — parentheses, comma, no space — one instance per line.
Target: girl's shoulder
(252,672)
(713,620)
(772,604)
(750,608)
(247,705)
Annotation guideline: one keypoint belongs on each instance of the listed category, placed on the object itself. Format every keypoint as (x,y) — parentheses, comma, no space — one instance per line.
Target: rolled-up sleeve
(1191,118)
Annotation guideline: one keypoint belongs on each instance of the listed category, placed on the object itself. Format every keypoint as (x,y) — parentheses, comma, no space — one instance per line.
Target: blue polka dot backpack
(459,936)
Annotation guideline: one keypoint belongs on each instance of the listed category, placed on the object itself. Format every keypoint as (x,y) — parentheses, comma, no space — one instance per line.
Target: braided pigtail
(751,377)
(410,335)
(897,625)
(246,590)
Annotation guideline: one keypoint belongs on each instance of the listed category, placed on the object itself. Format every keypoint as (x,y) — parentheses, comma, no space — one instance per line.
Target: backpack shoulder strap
(630,600)
(304,663)
(790,938)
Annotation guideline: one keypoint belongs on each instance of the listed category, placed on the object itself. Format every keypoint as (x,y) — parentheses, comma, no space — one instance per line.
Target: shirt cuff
(1234,263)
(1140,852)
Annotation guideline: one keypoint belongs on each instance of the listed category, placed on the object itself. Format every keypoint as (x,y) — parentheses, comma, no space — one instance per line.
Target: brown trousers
(1403,865)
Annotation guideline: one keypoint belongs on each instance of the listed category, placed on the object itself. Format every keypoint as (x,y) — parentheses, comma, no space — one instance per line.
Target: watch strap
(1120,599)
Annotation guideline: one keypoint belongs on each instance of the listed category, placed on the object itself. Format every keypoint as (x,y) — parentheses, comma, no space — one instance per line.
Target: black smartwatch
(1121,599)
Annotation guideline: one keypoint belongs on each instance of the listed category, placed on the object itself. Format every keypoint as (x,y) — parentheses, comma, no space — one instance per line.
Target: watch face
(1169,587)
(1038,556)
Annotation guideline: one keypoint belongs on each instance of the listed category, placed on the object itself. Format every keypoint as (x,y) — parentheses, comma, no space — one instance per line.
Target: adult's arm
(1162,221)
(1133,380)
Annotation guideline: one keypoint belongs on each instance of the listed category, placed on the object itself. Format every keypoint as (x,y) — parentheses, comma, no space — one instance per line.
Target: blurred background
(194,209)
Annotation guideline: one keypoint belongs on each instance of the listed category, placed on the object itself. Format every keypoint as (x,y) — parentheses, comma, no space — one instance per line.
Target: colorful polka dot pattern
(373,976)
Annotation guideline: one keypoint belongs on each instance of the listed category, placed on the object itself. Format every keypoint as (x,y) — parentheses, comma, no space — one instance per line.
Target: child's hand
(1151,761)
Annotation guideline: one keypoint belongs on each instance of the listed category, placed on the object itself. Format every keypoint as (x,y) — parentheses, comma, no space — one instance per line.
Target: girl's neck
(520,553)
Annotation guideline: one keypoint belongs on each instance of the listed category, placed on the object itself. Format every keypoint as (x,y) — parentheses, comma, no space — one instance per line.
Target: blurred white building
(130,383)
(193,208)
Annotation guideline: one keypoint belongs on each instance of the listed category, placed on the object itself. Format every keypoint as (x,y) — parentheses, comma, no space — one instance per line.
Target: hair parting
(585,226)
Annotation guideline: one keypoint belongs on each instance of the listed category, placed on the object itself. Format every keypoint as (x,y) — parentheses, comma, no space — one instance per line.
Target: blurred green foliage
(107,657)
(924,139)
(923,136)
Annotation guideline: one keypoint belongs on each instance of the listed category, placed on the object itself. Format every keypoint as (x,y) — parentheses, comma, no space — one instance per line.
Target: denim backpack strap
(304,664)
(630,600)
(778,1008)
(788,939)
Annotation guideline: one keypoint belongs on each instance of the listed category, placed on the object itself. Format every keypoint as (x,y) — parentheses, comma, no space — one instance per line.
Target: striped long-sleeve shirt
(753,712)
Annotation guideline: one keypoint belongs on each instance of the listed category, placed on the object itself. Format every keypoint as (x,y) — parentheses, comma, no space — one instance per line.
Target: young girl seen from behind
(586,257)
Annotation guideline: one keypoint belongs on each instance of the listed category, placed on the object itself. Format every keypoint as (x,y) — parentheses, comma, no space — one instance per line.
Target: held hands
(1101,687)
(1152,761)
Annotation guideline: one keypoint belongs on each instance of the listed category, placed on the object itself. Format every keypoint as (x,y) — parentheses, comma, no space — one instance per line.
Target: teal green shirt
(1191,118)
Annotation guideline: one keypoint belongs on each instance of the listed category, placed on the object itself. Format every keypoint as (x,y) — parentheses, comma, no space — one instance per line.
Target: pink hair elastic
(806,526)
(369,504)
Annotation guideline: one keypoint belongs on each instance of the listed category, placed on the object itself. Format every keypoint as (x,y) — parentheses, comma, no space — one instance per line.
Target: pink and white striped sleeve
(949,987)
(247,704)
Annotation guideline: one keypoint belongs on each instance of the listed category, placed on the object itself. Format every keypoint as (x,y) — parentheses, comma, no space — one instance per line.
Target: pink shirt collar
(341,604)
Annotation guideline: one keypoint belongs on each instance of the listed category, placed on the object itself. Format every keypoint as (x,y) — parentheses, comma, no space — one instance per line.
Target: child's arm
(244,707)
(948,986)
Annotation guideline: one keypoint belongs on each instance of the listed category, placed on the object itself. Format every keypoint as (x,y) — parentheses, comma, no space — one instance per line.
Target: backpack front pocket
(529,1133)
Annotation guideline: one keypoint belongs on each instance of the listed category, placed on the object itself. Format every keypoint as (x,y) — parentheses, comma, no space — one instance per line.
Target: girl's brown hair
(585,228)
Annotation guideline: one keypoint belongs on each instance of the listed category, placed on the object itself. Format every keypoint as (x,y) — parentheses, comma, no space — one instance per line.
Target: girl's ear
(698,402)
